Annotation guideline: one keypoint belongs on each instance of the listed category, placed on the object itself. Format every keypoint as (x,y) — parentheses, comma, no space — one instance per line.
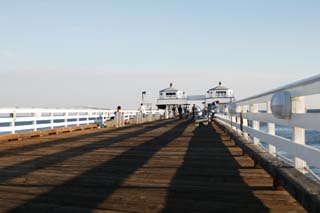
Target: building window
(170,94)
(221,94)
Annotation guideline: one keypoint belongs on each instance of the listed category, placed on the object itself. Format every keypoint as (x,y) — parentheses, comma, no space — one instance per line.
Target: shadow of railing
(92,187)
(44,161)
(209,179)
(53,142)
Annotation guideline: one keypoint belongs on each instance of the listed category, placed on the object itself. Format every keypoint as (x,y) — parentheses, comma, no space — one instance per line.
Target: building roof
(169,89)
(219,87)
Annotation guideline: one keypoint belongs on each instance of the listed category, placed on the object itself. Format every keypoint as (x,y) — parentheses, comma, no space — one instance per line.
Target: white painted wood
(271,130)
(298,106)
(302,151)
(13,116)
(245,121)
(254,108)
(299,121)
(51,116)
(309,86)
(51,120)
(66,119)
(306,120)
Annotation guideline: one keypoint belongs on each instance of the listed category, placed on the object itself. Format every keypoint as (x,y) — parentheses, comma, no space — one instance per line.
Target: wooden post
(141,117)
(137,118)
(245,121)
(51,120)
(298,106)
(66,119)
(239,119)
(13,115)
(272,131)
(34,121)
(255,124)
(88,121)
(233,120)
(78,118)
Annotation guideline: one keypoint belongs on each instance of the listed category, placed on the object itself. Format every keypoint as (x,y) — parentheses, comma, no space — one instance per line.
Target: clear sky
(103,53)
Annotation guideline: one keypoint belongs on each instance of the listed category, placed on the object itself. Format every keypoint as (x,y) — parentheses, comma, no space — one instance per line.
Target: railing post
(88,121)
(299,107)
(272,131)
(245,120)
(13,115)
(255,124)
(239,119)
(137,118)
(78,118)
(66,119)
(141,117)
(51,120)
(34,121)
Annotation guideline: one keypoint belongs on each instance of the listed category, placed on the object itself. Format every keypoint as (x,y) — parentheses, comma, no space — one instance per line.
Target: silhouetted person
(185,112)
(180,111)
(142,110)
(194,112)
(174,112)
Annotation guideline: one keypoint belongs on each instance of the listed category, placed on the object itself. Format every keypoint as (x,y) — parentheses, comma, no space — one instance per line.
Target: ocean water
(312,138)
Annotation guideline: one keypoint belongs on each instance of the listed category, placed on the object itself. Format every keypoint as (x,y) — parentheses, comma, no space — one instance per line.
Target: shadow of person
(209,178)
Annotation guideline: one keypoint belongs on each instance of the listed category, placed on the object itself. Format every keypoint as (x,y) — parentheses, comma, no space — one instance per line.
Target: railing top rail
(292,86)
(64,110)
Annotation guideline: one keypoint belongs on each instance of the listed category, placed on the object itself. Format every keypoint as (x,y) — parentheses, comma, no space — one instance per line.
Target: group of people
(181,112)
(184,111)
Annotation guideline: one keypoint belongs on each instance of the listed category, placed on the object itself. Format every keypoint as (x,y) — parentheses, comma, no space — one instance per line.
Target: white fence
(15,120)
(250,111)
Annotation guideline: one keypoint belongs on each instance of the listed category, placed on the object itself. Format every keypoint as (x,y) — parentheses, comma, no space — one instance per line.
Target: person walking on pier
(174,112)
(180,112)
(194,112)
(142,110)
(118,117)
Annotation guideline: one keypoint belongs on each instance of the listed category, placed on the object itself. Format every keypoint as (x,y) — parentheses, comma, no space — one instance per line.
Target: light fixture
(232,108)
(281,105)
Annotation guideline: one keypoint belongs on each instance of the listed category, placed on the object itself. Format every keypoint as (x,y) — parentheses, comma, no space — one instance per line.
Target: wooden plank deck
(167,166)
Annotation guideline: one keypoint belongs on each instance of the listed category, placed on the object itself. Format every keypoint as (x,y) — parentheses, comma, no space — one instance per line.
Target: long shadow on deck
(209,179)
(68,138)
(92,187)
(44,161)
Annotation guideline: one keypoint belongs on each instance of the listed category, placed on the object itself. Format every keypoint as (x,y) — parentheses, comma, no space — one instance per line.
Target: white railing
(15,120)
(250,110)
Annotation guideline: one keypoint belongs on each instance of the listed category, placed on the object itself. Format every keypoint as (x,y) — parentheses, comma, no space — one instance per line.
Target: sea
(312,138)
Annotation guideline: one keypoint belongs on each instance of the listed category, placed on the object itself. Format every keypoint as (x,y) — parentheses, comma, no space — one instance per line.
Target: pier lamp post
(143,94)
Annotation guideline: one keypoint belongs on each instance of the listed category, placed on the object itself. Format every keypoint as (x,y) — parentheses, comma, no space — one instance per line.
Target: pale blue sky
(103,53)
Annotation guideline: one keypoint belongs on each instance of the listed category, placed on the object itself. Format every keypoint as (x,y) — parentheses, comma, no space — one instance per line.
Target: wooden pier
(165,166)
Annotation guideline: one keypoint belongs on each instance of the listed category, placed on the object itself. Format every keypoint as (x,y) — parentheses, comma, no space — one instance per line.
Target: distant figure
(118,117)
(174,111)
(211,111)
(180,111)
(194,112)
(142,109)
(205,111)
(119,109)
(185,112)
